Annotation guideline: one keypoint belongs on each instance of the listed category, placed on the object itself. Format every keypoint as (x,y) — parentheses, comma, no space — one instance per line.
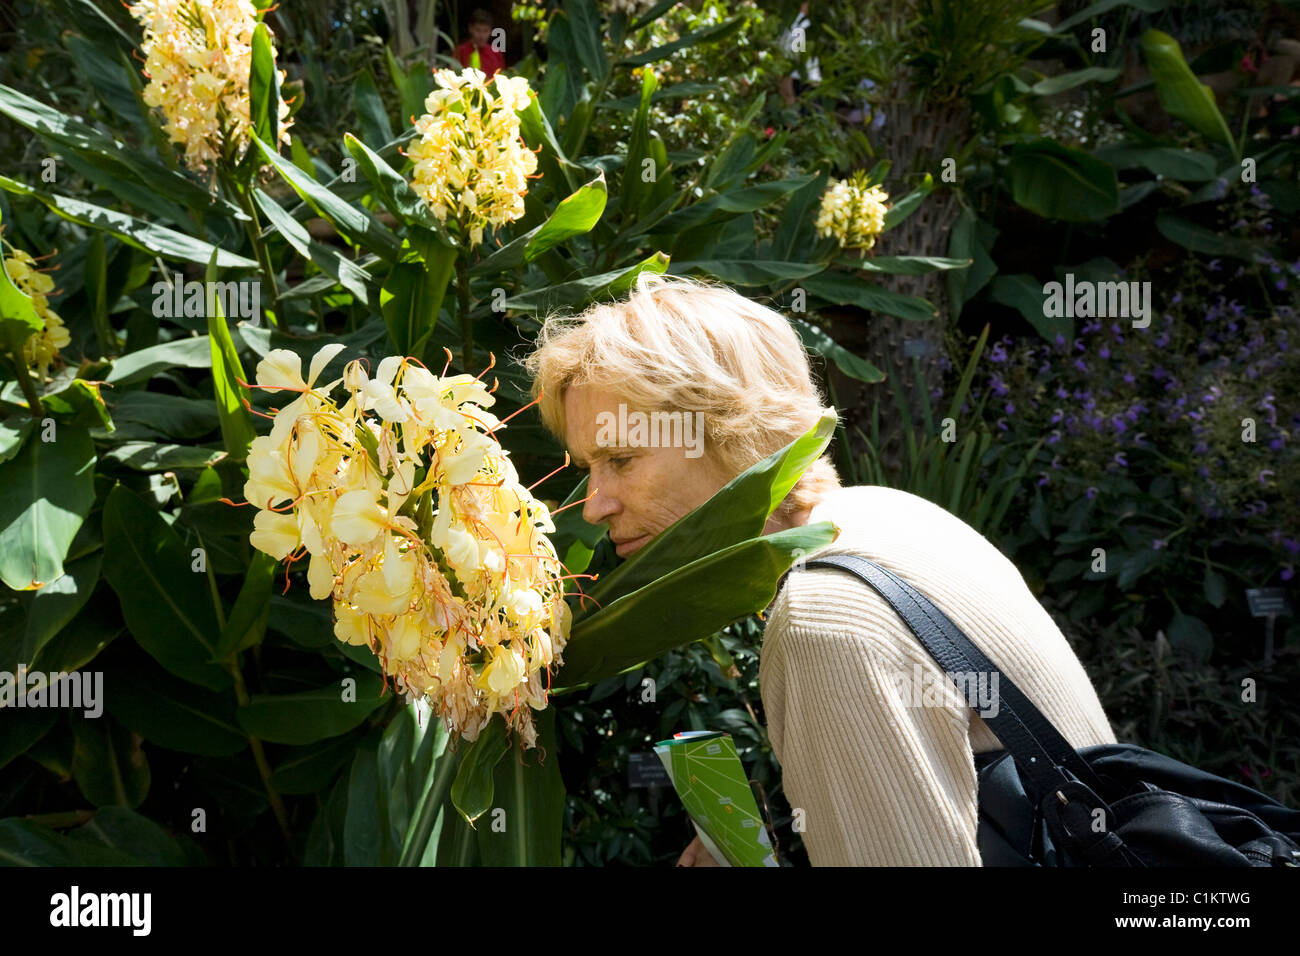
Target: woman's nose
(599,507)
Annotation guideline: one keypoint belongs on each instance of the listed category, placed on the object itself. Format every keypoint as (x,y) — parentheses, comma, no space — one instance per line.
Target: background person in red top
(480,42)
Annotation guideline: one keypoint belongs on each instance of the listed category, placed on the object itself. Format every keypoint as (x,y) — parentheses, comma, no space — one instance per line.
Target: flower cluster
(41,348)
(417,527)
(852,211)
(470,163)
(198,54)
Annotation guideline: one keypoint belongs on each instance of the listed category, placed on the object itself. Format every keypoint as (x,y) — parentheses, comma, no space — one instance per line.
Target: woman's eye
(619,462)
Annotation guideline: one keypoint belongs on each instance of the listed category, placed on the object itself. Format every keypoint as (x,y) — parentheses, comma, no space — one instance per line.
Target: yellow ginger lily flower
(41,349)
(471,166)
(466,608)
(852,212)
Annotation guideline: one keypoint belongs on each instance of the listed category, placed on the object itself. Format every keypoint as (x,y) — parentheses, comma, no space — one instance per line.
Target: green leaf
(903,265)
(175,715)
(311,768)
(717,208)
(851,365)
(166,603)
(369,107)
(54,605)
(236,424)
(1182,95)
(413,292)
(118,829)
(362,842)
(579,292)
(585,21)
(1199,239)
(157,456)
(246,625)
(1184,165)
(1215,586)
(1190,636)
(909,204)
(45,494)
(153,239)
(355,225)
(1024,293)
(736,512)
(312,715)
(110,769)
(23,843)
(714,33)
(19,319)
(153,416)
(574,216)
(684,606)
(750,272)
(527,785)
(393,190)
(143,365)
(634,190)
(1105,6)
(844,289)
(1068,81)
(21,728)
(472,791)
(326,258)
(1056,182)
(263,87)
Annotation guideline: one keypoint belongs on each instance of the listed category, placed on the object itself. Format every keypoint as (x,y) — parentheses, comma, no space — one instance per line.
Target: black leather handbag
(1043,803)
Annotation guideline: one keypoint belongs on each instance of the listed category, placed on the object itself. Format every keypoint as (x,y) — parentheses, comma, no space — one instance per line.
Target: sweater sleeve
(877,780)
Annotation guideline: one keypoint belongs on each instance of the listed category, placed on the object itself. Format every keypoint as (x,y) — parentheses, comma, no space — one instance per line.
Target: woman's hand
(696,855)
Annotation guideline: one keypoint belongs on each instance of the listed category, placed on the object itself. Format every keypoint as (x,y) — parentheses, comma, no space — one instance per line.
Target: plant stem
(253,229)
(29,391)
(259,757)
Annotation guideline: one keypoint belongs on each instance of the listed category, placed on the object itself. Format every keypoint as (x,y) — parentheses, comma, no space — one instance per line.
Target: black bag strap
(1038,748)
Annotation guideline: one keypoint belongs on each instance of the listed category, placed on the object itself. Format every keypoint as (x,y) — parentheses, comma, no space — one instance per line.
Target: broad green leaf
(143,365)
(329,260)
(13,432)
(369,108)
(900,210)
(736,512)
(166,603)
(120,830)
(1185,165)
(311,768)
(46,491)
(246,625)
(353,224)
(263,87)
(18,317)
(1105,6)
(362,827)
(175,715)
(585,21)
(156,456)
(1057,182)
(1200,239)
(313,715)
(24,843)
(634,189)
(1182,95)
(843,289)
(528,787)
(690,603)
(54,605)
(154,416)
(110,768)
(236,424)
(1191,636)
(851,365)
(588,289)
(735,201)
(414,290)
(22,727)
(903,265)
(574,216)
(153,239)
(393,190)
(750,272)
(1068,81)
(472,791)
(1024,293)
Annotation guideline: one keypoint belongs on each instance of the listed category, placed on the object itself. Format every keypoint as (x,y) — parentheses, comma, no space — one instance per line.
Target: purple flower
(1009,408)
(1090,493)
(999,387)
(1104,352)
(1061,392)
(1120,460)
(1288,573)
(997,353)
(1292,545)
(1158,543)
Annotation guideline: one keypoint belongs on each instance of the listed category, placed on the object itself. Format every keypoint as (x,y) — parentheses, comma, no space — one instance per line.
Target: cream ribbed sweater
(881,781)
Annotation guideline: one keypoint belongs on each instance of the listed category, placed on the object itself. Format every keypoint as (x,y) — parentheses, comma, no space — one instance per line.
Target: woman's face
(637,489)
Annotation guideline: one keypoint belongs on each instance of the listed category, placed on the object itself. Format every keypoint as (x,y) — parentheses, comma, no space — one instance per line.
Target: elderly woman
(875,776)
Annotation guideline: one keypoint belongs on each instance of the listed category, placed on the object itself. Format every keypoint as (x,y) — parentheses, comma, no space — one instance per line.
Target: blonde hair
(693,345)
